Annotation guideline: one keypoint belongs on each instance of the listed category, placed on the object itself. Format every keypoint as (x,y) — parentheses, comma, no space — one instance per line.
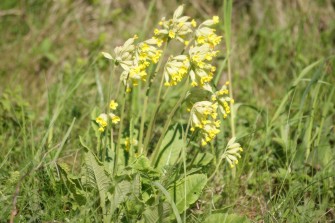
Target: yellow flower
(113,105)
(203,118)
(176,69)
(193,23)
(206,35)
(172,34)
(156,31)
(216,19)
(128,143)
(221,97)
(202,70)
(176,28)
(102,119)
(102,122)
(138,60)
(115,118)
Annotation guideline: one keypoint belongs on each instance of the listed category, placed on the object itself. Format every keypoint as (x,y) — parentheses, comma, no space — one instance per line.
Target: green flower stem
(184,164)
(167,124)
(143,149)
(110,85)
(118,145)
(144,109)
(112,140)
(153,118)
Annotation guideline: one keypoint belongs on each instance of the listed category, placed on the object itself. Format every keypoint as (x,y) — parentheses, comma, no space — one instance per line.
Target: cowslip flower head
(203,118)
(232,152)
(176,28)
(135,59)
(223,100)
(135,70)
(123,55)
(176,69)
(206,35)
(102,120)
(127,143)
(202,71)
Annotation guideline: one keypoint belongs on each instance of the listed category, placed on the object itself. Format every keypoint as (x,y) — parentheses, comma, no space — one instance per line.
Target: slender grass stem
(232,118)
(227,25)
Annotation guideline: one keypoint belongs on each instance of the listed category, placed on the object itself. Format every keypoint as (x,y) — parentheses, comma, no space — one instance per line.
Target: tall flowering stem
(152,120)
(118,145)
(167,124)
(143,147)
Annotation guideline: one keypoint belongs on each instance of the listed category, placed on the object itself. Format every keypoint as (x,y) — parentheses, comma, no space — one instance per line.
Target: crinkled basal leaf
(194,185)
(160,213)
(96,177)
(121,191)
(72,183)
(142,165)
(226,218)
(171,147)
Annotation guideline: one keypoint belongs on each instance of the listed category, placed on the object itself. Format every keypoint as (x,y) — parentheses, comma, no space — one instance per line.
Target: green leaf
(185,196)
(142,165)
(170,200)
(97,177)
(203,159)
(171,147)
(320,157)
(226,218)
(151,215)
(159,213)
(72,183)
(121,191)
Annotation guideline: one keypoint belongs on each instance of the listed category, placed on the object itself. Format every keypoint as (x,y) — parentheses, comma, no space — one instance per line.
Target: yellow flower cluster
(102,119)
(223,100)
(204,114)
(127,143)
(206,35)
(176,28)
(204,118)
(200,55)
(145,54)
(176,69)
(232,152)
(135,59)
(202,70)
(196,65)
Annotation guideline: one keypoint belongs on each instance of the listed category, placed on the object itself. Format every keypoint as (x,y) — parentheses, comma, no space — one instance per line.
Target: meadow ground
(54,80)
